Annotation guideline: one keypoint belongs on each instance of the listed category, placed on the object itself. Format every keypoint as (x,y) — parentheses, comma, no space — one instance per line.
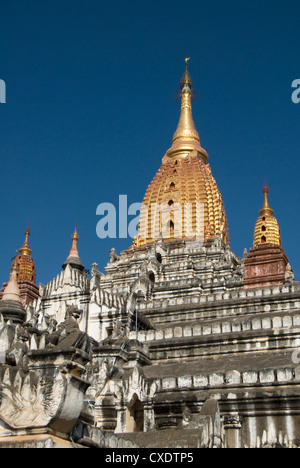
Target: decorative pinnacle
(266,210)
(12,291)
(26,250)
(74,249)
(73,258)
(186,130)
(75,236)
(186,83)
(186,138)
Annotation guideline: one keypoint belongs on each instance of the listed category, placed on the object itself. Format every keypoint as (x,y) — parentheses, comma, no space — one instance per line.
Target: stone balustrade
(233,326)
(265,377)
(235,294)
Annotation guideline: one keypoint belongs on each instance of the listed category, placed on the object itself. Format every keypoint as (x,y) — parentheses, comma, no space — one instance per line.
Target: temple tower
(183,200)
(26,273)
(266,264)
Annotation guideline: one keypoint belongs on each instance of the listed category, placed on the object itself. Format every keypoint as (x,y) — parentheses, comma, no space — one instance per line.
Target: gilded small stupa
(266,264)
(266,229)
(183,200)
(24,268)
(24,261)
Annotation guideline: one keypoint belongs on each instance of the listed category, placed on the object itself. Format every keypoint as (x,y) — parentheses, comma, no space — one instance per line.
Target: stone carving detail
(190,420)
(68,333)
(40,398)
(113,257)
(270,439)
(119,330)
(69,277)
(217,242)
(136,384)
(289,276)
(28,400)
(94,270)
(42,387)
(102,297)
(17,352)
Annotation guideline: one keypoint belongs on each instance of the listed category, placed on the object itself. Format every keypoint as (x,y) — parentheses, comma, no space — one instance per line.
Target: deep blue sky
(91,111)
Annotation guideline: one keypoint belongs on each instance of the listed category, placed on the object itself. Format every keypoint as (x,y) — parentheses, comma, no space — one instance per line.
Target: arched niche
(135,415)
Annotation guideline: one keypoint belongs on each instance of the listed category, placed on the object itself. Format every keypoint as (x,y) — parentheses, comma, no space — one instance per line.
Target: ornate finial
(75,236)
(186,137)
(265,189)
(75,239)
(26,250)
(73,258)
(186,83)
(266,210)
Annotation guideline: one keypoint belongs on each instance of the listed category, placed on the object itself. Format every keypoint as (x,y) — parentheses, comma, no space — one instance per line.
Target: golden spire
(266,210)
(266,229)
(186,138)
(183,200)
(26,250)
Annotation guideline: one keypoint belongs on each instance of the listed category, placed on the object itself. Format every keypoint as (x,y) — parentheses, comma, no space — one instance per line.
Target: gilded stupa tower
(25,262)
(267,263)
(183,201)
(26,272)
(266,229)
